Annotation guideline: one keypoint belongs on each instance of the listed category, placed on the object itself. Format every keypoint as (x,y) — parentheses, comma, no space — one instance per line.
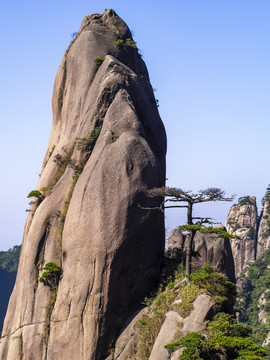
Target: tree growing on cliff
(178,198)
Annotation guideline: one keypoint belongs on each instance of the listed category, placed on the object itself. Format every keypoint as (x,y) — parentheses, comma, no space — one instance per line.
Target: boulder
(202,312)
(128,337)
(172,323)
(106,149)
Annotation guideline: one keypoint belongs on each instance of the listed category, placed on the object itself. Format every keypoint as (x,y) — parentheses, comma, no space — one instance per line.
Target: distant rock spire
(242,221)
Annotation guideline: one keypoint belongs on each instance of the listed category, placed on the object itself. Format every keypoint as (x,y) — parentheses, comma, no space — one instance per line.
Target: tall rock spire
(264,227)
(107,146)
(242,221)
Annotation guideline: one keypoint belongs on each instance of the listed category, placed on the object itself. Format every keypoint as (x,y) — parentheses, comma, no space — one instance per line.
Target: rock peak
(99,251)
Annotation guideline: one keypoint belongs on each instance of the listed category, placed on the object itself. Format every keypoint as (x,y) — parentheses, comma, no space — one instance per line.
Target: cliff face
(107,146)
(242,221)
(264,229)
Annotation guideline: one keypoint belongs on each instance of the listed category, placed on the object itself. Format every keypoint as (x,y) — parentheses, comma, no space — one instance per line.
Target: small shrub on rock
(51,275)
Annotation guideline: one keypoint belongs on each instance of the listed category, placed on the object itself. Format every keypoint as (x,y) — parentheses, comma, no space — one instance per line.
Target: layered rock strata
(242,221)
(107,147)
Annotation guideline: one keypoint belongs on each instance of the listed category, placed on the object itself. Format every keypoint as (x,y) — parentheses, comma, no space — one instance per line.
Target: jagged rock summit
(107,146)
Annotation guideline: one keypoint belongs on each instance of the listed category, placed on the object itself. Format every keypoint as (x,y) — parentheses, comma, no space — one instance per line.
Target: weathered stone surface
(206,247)
(202,311)
(106,245)
(176,354)
(242,221)
(215,250)
(175,240)
(172,323)
(128,338)
(264,229)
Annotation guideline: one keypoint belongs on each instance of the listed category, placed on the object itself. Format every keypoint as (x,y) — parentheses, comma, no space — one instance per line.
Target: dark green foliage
(77,172)
(245,200)
(37,194)
(122,44)
(130,42)
(214,283)
(210,229)
(86,143)
(266,196)
(119,43)
(99,60)
(9,260)
(223,336)
(171,266)
(51,275)
(220,232)
(258,281)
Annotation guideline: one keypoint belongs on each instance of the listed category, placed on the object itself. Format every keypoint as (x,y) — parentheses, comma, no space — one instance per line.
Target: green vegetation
(257,280)
(52,149)
(170,197)
(37,194)
(210,229)
(20,352)
(266,195)
(122,44)
(9,260)
(49,310)
(99,60)
(185,290)
(87,143)
(114,136)
(245,200)
(224,336)
(50,276)
(62,163)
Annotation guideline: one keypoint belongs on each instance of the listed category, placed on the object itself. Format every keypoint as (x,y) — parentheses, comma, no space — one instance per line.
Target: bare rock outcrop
(264,229)
(107,146)
(217,251)
(173,327)
(207,247)
(242,221)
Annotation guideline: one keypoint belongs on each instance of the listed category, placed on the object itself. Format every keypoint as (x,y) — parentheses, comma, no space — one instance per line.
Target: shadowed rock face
(242,221)
(89,222)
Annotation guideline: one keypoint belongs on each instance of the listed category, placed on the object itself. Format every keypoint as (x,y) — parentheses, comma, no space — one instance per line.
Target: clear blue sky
(209,61)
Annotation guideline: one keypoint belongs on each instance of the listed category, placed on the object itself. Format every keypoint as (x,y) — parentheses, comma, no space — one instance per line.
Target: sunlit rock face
(107,146)
(264,229)
(242,221)
(207,247)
